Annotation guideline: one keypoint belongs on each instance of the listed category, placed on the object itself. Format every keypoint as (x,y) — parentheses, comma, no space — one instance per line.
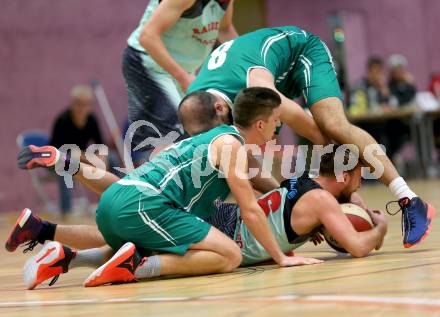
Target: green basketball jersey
(299,62)
(191,38)
(183,175)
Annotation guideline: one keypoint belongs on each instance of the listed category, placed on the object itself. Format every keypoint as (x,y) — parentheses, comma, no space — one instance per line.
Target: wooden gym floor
(391,282)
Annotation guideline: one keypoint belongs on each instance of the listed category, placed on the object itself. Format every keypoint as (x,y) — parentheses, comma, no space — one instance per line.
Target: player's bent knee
(234,261)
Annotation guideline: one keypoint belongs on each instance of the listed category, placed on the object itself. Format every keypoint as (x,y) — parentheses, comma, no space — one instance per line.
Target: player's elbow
(249,216)
(358,252)
(357,249)
(147,37)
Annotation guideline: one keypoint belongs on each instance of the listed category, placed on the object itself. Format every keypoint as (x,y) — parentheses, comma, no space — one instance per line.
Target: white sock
(400,188)
(88,258)
(150,268)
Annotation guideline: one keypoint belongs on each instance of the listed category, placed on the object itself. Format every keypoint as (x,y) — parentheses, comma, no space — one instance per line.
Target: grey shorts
(152,97)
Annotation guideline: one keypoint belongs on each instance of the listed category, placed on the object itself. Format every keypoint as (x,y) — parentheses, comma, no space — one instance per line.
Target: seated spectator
(434,85)
(75,125)
(434,88)
(372,92)
(401,82)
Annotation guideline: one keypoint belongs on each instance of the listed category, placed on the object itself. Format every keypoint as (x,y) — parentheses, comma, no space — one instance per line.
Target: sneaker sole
(117,259)
(21,221)
(47,255)
(431,214)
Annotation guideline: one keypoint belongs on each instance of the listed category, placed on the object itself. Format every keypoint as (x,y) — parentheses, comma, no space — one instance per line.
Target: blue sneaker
(416,217)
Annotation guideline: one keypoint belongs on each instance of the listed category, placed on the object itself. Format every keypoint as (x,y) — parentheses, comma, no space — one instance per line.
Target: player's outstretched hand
(297,260)
(34,156)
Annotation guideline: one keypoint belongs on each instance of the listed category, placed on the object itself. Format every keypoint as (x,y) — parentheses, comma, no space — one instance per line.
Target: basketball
(359,218)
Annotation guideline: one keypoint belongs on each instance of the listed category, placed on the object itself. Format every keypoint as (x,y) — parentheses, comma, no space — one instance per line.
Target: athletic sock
(150,267)
(47,231)
(400,188)
(88,258)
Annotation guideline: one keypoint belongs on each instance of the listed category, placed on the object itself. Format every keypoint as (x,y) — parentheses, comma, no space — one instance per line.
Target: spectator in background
(401,82)
(75,125)
(434,85)
(372,92)
(434,88)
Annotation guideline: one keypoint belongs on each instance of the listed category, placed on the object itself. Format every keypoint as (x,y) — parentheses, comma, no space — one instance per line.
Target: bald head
(200,111)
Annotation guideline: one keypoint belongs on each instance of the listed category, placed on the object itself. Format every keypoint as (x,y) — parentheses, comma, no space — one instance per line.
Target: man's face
(376,74)
(81,108)
(270,125)
(352,185)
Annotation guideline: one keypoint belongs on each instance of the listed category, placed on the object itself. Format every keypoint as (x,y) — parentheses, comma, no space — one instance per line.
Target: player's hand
(184,81)
(379,219)
(297,260)
(317,238)
(357,200)
(34,156)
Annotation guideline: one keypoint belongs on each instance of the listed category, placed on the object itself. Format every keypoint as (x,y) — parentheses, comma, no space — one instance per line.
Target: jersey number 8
(218,57)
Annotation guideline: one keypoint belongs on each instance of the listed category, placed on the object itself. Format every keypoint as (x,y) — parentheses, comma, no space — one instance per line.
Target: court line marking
(415,303)
(338,277)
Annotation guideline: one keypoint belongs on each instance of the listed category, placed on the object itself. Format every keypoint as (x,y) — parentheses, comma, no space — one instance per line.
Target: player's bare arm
(162,19)
(235,169)
(260,182)
(327,211)
(227,30)
(291,113)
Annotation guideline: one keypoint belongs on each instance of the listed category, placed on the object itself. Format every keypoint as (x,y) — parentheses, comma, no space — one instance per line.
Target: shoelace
(54,280)
(30,246)
(409,216)
(391,213)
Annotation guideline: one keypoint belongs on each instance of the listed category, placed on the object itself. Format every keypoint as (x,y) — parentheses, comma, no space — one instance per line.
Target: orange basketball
(358,217)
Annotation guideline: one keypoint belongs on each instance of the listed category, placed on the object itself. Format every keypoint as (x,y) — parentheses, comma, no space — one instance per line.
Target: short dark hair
(327,165)
(374,61)
(253,103)
(203,105)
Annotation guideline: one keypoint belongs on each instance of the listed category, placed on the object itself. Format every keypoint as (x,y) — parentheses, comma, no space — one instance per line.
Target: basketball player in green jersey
(171,41)
(160,206)
(295,211)
(297,63)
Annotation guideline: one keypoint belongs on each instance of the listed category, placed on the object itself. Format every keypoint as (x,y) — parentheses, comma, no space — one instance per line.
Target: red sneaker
(26,229)
(119,269)
(51,261)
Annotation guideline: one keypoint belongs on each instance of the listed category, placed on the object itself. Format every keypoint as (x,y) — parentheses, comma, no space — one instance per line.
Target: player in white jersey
(297,210)
(170,43)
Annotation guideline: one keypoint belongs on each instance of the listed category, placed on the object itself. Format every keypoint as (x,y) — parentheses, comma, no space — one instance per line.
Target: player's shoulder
(320,198)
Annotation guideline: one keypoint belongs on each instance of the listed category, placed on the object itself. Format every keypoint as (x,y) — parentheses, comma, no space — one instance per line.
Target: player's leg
(216,253)
(55,259)
(30,230)
(79,236)
(156,227)
(417,215)
(322,93)
(152,97)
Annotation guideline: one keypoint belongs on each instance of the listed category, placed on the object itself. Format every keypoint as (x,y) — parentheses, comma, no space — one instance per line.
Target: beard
(344,197)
